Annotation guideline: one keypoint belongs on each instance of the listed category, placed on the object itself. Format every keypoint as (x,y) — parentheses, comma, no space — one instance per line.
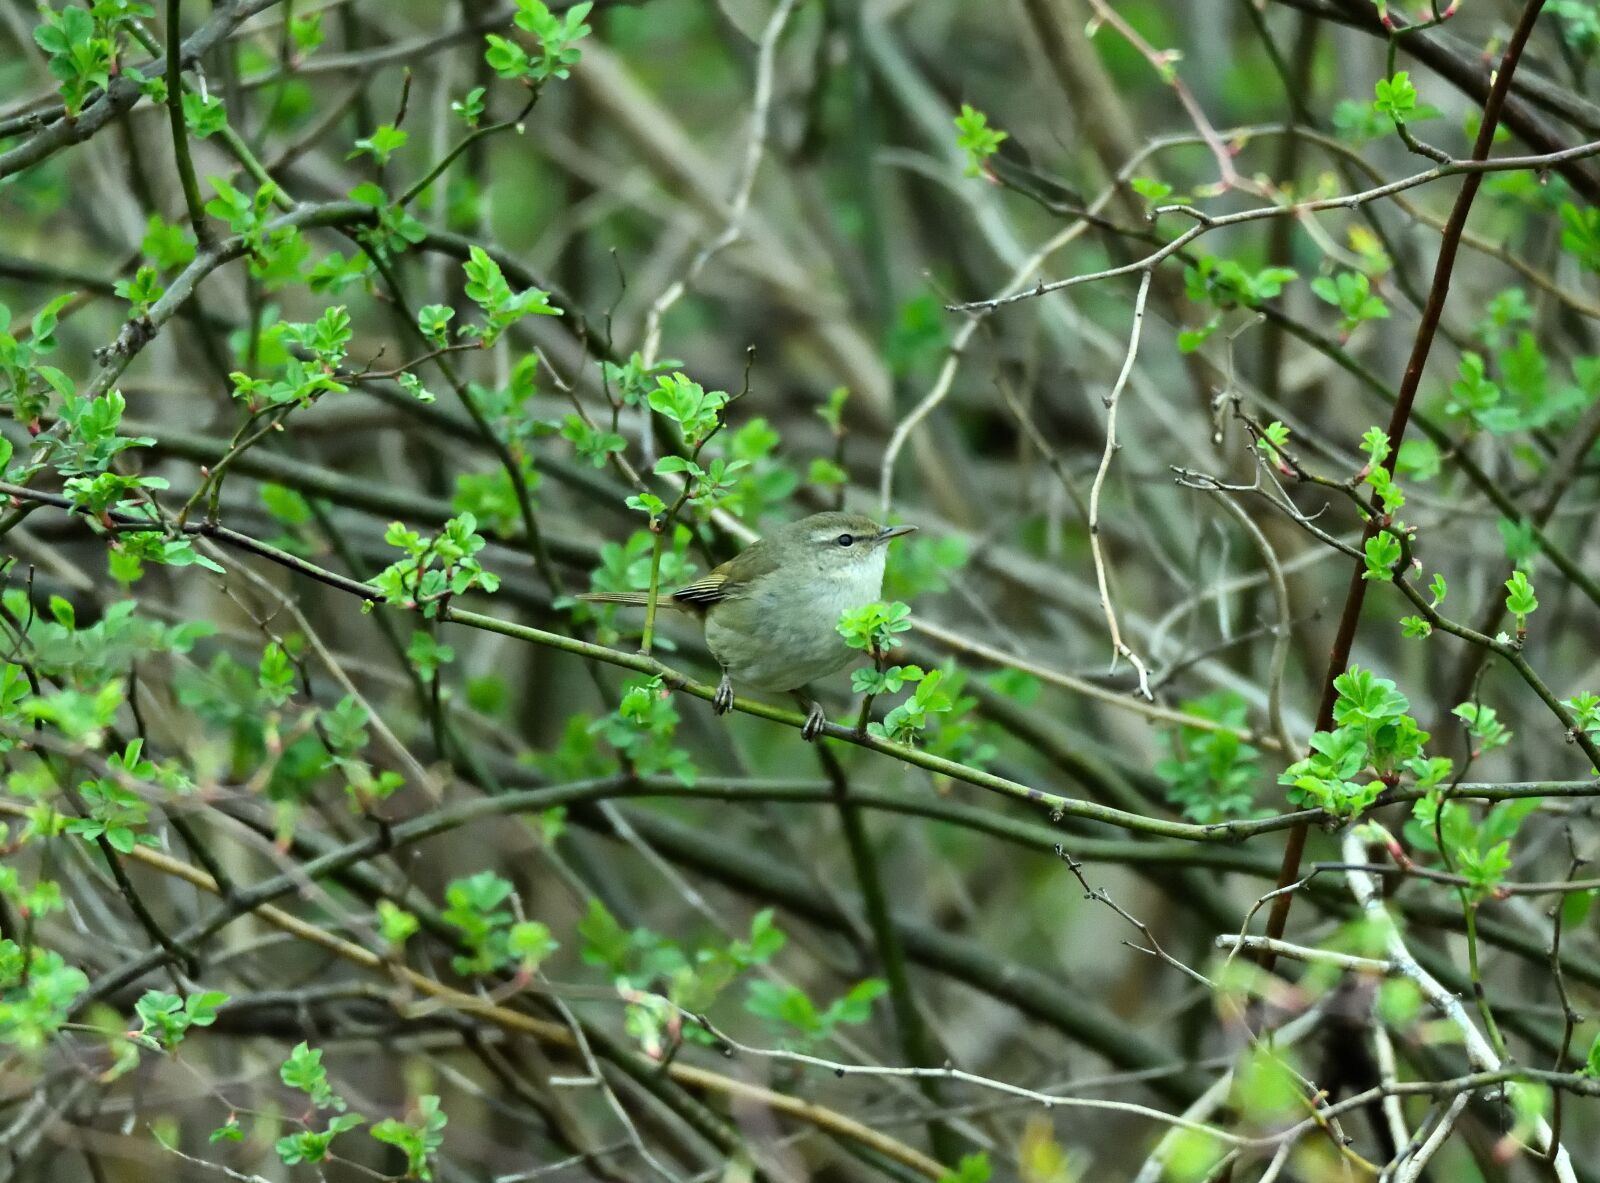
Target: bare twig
(1118,645)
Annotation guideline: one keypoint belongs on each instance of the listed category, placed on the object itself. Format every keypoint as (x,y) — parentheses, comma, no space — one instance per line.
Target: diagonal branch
(1433,310)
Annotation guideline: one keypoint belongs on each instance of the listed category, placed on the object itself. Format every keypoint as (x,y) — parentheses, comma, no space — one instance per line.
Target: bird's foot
(815,722)
(722,700)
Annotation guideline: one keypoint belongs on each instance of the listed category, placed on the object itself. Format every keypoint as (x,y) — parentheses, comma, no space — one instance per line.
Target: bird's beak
(889,532)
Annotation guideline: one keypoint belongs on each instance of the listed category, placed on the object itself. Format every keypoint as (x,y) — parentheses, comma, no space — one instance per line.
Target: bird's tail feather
(635,599)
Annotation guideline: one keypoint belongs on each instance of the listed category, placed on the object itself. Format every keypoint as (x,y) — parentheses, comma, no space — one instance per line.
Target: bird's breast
(784,632)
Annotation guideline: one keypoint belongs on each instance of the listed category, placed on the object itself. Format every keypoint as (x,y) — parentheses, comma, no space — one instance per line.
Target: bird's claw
(815,722)
(722,700)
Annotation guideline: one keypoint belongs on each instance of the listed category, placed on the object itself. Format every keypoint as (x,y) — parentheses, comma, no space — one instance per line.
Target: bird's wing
(730,579)
(711,588)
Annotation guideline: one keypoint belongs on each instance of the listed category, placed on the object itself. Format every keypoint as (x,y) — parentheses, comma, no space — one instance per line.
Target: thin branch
(1474,168)
(180,128)
(744,187)
(1480,1055)
(1119,647)
(1411,1170)
(552,1033)
(1432,313)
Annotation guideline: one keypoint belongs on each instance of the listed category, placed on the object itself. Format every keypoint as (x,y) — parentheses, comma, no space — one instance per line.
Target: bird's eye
(844,540)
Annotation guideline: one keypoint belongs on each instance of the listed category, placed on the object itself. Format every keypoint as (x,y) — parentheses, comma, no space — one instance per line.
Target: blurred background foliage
(491,877)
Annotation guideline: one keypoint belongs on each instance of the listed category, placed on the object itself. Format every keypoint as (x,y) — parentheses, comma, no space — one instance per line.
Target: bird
(771,612)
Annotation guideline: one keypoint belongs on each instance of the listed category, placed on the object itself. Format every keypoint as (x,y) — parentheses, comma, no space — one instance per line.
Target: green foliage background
(343,346)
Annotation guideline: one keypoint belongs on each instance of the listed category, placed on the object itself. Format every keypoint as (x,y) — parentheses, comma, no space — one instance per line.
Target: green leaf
(825,473)
(1365,697)
(832,411)
(277,675)
(426,655)
(201,1009)
(973,1168)
(1505,309)
(592,444)
(303,1070)
(1225,283)
(696,410)
(1351,293)
(1210,773)
(557,36)
(1575,908)
(505,58)
(1483,726)
(486,286)
(143,290)
(976,138)
(43,325)
(469,109)
(873,626)
(1580,234)
(383,143)
(1382,551)
(647,503)
(434,322)
(395,924)
(1522,547)
(1418,459)
(1375,444)
(1520,600)
(1396,97)
(1151,190)
(418,1137)
(605,942)
(1473,394)
(530,943)
(204,114)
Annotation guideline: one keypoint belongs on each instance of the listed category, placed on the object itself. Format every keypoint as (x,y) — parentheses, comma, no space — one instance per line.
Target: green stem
(180,128)
(660,528)
(252,165)
(915,1043)
(657,548)
(653,595)
(212,481)
(1512,654)
(15,518)
(462,145)
(1496,1040)
(512,464)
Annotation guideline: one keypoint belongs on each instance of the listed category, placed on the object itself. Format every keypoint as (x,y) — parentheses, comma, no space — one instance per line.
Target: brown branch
(1433,310)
